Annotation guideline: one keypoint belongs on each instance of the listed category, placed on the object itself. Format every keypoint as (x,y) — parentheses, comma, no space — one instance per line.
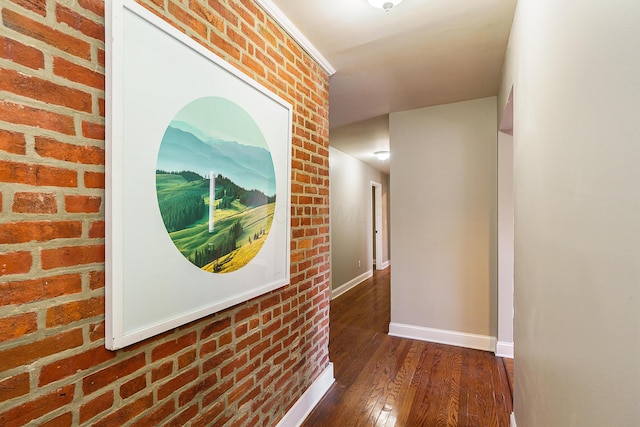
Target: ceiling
(422,53)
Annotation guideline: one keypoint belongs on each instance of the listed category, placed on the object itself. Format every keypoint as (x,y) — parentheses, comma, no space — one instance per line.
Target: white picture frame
(153,72)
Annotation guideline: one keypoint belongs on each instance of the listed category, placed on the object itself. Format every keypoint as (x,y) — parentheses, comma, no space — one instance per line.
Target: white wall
(350,206)
(443,205)
(575,68)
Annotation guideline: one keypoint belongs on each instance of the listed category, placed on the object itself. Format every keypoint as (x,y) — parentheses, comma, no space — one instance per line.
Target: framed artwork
(197,180)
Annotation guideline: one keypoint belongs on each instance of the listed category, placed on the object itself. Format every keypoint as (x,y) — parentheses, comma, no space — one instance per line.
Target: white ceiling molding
(272,10)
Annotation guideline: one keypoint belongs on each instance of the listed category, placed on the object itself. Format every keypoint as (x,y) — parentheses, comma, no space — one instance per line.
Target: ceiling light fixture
(382,155)
(387,5)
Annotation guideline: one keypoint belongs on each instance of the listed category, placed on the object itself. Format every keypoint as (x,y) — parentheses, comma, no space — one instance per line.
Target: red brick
(126,413)
(156,417)
(225,339)
(199,9)
(187,359)
(37,6)
(217,360)
(190,393)
(15,386)
(93,130)
(133,386)
(15,263)
(269,302)
(17,326)
(74,311)
(71,255)
(46,34)
(240,390)
(25,354)
(96,230)
(96,279)
(215,327)
(184,417)
(96,331)
(35,203)
(238,39)
(22,292)
(166,349)
(82,204)
(208,348)
(95,6)
(178,382)
(224,45)
(189,20)
(96,406)
(39,175)
(249,397)
(217,392)
(43,90)
(271,328)
(255,351)
(64,368)
(23,115)
(210,416)
(241,330)
(76,21)
(22,414)
(94,180)
(246,312)
(250,340)
(105,377)
(12,142)
(101,107)
(242,373)
(20,53)
(39,231)
(64,420)
(162,371)
(85,154)
(229,16)
(234,365)
(102,58)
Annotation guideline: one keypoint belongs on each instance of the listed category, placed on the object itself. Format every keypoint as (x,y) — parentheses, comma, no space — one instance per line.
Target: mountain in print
(184,148)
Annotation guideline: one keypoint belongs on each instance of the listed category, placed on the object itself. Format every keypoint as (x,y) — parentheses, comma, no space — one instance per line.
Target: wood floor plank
(386,381)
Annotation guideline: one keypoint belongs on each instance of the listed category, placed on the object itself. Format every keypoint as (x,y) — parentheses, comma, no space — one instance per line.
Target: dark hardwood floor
(389,381)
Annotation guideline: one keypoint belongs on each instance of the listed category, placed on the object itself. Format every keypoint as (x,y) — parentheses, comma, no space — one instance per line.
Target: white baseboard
(442,336)
(385,265)
(512,420)
(309,399)
(335,293)
(504,349)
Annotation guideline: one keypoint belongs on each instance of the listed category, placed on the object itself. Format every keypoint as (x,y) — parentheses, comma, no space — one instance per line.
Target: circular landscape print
(216,185)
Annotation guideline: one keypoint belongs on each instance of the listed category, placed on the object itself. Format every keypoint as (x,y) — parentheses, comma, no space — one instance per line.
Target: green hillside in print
(242,219)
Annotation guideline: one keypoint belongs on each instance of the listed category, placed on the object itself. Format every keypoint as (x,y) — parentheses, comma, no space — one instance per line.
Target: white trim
(309,399)
(272,10)
(504,349)
(442,336)
(385,264)
(335,293)
(512,419)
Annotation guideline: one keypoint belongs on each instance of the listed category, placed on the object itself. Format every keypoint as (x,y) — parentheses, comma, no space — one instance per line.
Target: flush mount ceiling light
(387,5)
(382,155)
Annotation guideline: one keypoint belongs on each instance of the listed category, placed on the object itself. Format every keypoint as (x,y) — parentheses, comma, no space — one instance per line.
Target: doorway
(376,225)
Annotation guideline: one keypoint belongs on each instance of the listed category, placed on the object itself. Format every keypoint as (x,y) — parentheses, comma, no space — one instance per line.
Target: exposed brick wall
(244,366)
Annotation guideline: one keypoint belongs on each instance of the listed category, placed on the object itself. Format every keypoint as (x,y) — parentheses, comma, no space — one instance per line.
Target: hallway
(390,381)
